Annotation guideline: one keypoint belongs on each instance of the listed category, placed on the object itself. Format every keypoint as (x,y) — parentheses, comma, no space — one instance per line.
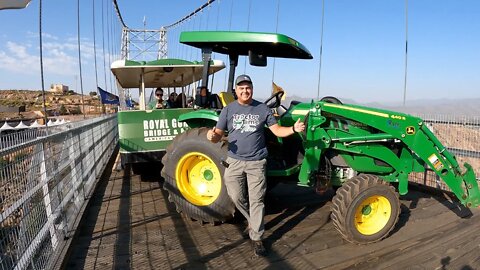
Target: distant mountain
(469,107)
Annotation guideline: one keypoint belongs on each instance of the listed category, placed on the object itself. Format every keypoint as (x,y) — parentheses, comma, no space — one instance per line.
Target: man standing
(245,121)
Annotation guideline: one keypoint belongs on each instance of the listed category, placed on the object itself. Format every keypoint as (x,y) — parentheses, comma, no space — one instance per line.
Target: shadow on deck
(131,225)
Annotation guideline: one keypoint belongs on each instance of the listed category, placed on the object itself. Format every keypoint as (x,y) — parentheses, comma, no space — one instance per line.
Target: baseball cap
(243,78)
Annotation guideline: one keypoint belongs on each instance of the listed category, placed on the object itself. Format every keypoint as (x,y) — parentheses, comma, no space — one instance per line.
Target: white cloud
(17,59)
(44,35)
(59,58)
(21,61)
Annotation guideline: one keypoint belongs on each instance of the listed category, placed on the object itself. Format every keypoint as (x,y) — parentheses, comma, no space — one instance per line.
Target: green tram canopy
(240,43)
(161,73)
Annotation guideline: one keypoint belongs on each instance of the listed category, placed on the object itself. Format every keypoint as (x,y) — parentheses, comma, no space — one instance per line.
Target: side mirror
(258,60)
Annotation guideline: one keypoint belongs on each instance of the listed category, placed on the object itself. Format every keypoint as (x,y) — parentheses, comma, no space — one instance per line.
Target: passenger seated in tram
(171,100)
(180,101)
(190,102)
(202,98)
(158,102)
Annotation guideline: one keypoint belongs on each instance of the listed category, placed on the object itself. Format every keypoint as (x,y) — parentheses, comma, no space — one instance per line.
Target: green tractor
(357,149)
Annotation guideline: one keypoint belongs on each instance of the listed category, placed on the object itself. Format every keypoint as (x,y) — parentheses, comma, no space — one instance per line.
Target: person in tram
(158,103)
(180,101)
(190,102)
(171,100)
(202,98)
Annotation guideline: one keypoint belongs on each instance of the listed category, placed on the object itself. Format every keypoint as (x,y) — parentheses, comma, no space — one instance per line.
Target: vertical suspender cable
(321,50)
(248,28)
(94,45)
(208,15)
(406,54)
(95,54)
(194,20)
(231,14)
(108,45)
(111,50)
(218,14)
(80,56)
(216,28)
(45,117)
(103,49)
(276,31)
(229,29)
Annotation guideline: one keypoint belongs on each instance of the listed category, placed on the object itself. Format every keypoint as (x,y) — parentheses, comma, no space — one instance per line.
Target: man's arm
(214,135)
(280,131)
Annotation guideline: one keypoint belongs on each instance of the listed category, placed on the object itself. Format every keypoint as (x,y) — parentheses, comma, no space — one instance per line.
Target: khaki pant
(240,177)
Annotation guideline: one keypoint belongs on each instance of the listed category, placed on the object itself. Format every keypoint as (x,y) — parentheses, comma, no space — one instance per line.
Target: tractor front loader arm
(366,129)
(443,163)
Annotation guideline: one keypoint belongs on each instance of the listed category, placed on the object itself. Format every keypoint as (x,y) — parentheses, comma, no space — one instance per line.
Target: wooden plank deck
(131,225)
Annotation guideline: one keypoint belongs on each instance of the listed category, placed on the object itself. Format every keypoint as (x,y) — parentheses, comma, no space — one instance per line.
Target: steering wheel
(278,99)
(330,99)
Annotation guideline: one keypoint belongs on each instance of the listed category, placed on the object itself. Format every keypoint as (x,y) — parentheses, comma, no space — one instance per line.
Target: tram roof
(167,72)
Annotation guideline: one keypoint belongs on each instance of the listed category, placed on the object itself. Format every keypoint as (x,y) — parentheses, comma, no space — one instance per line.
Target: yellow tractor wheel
(365,209)
(193,169)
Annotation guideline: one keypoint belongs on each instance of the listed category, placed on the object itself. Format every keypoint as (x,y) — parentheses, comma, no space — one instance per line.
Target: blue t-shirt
(245,125)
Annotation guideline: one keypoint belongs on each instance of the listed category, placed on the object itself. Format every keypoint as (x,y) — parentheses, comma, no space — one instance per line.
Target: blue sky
(363,44)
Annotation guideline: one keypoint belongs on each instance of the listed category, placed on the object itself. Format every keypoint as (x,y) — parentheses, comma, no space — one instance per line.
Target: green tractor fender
(200,118)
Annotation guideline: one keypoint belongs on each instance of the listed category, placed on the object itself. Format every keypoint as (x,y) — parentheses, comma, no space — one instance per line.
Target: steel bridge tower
(144,45)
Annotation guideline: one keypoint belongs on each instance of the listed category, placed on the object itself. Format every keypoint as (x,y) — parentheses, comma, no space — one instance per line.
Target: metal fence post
(46,196)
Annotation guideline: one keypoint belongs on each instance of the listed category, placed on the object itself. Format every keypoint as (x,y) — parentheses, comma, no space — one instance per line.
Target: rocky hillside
(57,104)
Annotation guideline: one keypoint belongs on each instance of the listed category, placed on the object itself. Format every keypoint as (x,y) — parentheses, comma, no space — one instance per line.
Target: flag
(129,102)
(107,97)
(276,88)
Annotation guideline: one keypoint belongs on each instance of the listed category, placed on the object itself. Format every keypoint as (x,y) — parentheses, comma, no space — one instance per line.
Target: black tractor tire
(188,153)
(365,209)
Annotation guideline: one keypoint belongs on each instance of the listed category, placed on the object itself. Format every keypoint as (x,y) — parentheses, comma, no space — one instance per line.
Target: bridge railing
(44,184)
(460,135)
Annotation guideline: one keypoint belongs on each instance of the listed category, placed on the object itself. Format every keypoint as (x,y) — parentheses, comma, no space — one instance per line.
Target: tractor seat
(226,98)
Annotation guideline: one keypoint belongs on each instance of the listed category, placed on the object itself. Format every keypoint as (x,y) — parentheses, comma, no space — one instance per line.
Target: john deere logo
(410,130)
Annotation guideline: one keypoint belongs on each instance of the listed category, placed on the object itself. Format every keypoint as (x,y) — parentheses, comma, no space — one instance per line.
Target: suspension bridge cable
(208,16)
(110,42)
(80,57)
(107,19)
(41,67)
(218,14)
(103,49)
(94,44)
(321,50)
(406,54)
(229,29)
(276,31)
(231,15)
(248,28)
(213,55)
(95,53)
(119,14)
(192,14)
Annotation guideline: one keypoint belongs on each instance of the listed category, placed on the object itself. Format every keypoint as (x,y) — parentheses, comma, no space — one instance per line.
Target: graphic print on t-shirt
(245,123)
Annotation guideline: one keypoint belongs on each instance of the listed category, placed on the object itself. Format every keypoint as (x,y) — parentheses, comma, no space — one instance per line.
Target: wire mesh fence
(15,137)
(45,180)
(460,135)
